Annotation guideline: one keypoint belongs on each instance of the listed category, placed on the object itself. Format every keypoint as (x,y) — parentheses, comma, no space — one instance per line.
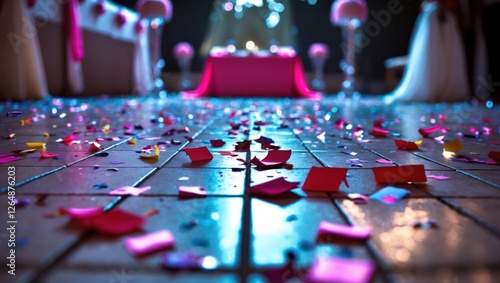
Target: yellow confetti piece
(35,144)
(45,134)
(453,146)
(156,155)
(132,141)
(106,128)
(418,143)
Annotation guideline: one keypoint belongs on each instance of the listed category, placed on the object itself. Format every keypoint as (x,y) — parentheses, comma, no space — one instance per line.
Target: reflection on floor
(444,230)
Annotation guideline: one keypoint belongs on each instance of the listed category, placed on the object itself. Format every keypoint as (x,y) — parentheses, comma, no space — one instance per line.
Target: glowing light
(250,45)
(489,104)
(448,154)
(273,20)
(238,8)
(228,6)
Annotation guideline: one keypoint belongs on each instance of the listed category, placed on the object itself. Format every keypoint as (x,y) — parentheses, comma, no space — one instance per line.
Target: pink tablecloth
(273,75)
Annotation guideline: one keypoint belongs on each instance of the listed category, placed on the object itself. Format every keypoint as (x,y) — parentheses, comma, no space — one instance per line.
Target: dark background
(190,23)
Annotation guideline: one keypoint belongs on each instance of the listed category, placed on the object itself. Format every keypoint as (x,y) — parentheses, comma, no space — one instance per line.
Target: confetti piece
(183,178)
(273,158)
(378,123)
(401,144)
(425,132)
(153,156)
(20,203)
(35,144)
(379,132)
(100,186)
(24,151)
(151,212)
(69,140)
(217,143)
(495,155)
(399,174)
(190,191)
(228,153)
(329,231)
(264,140)
(128,190)
(333,269)
(78,213)
(326,179)
(389,195)
(438,177)
(114,222)
(273,187)
(149,243)
(358,198)
(94,147)
(44,154)
(384,161)
(8,158)
(132,141)
(453,146)
(242,145)
(116,162)
(199,154)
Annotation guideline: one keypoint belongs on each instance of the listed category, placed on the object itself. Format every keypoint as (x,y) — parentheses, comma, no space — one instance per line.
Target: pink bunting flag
(399,174)
(425,132)
(325,179)
(114,222)
(189,191)
(328,229)
(127,190)
(345,270)
(273,187)
(273,158)
(149,243)
(199,154)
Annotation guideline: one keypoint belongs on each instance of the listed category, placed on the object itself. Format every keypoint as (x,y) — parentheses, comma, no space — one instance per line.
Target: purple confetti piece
(8,158)
(127,190)
(332,269)
(115,162)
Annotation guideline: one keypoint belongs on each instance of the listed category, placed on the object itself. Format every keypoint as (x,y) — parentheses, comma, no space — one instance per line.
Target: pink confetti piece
(273,187)
(69,139)
(384,161)
(332,269)
(199,154)
(114,222)
(438,177)
(77,213)
(333,230)
(149,243)
(44,154)
(8,158)
(228,153)
(217,143)
(326,179)
(273,158)
(425,132)
(399,174)
(189,191)
(128,190)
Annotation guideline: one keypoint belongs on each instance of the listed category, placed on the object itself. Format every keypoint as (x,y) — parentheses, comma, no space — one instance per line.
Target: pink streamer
(74,32)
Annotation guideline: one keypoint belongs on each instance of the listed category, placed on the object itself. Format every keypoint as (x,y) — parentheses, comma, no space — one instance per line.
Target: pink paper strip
(149,243)
(344,231)
(399,174)
(274,187)
(74,32)
(332,269)
(186,191)
(326,179)
(438,177)
(199,154)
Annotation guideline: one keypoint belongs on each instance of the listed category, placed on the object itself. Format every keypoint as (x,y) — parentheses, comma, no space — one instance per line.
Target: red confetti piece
(326,179)
(94,147)
(379,132)
(378,123)
(425,132)
(199,154)
(228,153)
(69,140)
(273,158)
(406,145)
(274,187)
(114,222)
(400,174)
(495,155)
(190,191)
(217,143)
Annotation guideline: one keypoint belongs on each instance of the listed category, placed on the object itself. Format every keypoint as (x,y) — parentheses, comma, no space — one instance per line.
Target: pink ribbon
(74,32)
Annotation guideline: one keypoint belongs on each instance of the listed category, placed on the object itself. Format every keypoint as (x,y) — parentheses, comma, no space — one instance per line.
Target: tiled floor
(248,234)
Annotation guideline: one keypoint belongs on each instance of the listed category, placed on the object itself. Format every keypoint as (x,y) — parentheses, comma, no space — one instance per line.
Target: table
(262,74)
